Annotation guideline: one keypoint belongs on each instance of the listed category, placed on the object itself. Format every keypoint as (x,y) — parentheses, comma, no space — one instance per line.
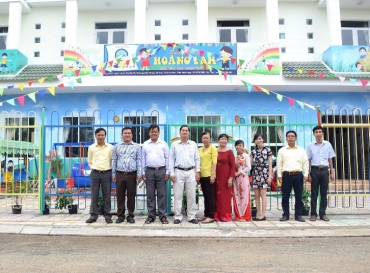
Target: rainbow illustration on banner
(74,57)
(268,54)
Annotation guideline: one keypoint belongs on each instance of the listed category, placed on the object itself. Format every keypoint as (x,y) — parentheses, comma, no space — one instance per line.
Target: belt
(105,171)
(292,173)
(126,173)
(320,168)
(184,169)
(156,168)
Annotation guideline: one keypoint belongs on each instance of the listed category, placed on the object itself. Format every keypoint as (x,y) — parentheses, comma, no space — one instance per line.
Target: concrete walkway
(342,223)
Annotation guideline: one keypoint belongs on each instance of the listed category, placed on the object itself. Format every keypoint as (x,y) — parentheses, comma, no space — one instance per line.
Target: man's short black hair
(99,130)
(126,128)
(183,126)
(317,128)
(154,126)
(291,131)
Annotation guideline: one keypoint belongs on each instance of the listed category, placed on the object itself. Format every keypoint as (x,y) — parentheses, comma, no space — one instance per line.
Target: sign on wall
(12,61)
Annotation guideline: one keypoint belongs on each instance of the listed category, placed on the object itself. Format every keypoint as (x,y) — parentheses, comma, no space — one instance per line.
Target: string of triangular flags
(41,92)
(330,76)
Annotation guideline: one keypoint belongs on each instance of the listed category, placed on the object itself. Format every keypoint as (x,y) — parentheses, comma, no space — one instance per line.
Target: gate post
(168,185)
(41,174)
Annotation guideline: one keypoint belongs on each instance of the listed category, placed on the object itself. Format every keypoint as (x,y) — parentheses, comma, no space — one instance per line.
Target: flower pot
(61,183)
(305,211)
(17,209)
(70,182)
(72,209)
(254,211)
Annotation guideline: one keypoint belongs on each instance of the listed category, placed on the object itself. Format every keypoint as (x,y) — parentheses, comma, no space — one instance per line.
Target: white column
(272,16)
(140,22)
(71,22)
(14,25)
(333,15)
(202,21)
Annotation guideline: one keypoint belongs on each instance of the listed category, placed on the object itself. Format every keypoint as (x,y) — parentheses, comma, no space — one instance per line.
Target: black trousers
(125,183)
(155,181)
(102,180)
(209,196)
(319,178)
(295,182)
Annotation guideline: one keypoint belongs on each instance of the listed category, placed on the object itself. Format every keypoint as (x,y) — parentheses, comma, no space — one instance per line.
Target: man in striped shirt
(126,170)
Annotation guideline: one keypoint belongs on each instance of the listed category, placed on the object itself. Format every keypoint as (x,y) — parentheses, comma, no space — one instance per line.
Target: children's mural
(12,61)
(347,58)
(171,59)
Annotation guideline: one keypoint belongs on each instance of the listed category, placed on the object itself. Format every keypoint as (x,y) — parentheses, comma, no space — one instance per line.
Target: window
(281,35)
(185,22)
(308,21)
(272,130)
(110,33)
(355,32)
(157,23)
(19,133)
(36,54)
(74,133)
(63,39)
(185,36)
(38,26)
(3,36)
(62,53)
(196,132)
(281,21)
(283,50)
(157,37)
(233,31)
(63,25)
(37,40)
(140,134)
(311,50)
(309,35)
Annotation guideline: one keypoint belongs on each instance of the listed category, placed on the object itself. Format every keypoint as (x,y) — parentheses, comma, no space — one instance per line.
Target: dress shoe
(313,218)
(193,221)
(91,220)
(164,220)
(130,220)
(108,220)
(261,219)
(300,219)
(149,220)
(284,218)
(120,220)
(177,221)
(324,218)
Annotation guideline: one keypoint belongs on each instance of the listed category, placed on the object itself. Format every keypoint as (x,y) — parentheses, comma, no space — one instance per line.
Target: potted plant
(66,202)
(306,196)
(19,187)
(46,208)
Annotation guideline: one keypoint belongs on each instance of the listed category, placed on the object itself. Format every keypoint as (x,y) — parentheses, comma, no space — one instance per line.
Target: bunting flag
(204,66)
(224,59)
(128,62)
(209,55)
(109,68)
(331,77)
(291,101)
(94,67)
(30,83)
(60,77)
(79,80)
(69,74)
(42,93)
(50,78)
(265,90)
(225,75)
(353,80)
(41,80)
(11,102)
(61,85)
(71,84)
(21,100)
(1,91)
(364,82)
(342,79)
(301,104)
(201,53)
(290,69)
(52,90)
(1,104)
(32,96)
(311,73)
(233,60)
(321,75)
(164,47)
(21,86)
(269,67)
(102,65)
(300,71)
(10,86)
(77,72)
(110,63)
(118,60)
(257,88)
(279,97)
(310,106)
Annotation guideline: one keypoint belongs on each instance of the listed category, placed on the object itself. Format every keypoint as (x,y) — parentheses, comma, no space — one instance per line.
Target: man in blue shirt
(320,154)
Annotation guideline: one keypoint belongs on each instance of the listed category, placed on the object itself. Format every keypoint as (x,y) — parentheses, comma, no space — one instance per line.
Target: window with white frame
(19,129)
(233,31)
(140,134)
(355,33)
(110,33)
(207,121)
(76,130)
(271,128)
(3,36)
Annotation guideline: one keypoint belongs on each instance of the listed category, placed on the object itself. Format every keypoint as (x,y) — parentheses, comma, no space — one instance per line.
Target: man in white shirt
(155,154)
(185,171)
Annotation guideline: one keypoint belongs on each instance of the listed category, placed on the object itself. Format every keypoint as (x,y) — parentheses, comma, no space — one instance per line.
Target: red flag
(21,100)
(291,101)
(257,88)
(201,52)
(110,63)
(61,85)
(77,72)
(204,66)
(171,44)
(269,66)
(364,82)
(30,83)
(127,62)
(311,72)
(225,75)
(233,60)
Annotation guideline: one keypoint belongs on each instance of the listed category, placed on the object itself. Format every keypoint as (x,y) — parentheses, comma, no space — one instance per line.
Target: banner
(12,61)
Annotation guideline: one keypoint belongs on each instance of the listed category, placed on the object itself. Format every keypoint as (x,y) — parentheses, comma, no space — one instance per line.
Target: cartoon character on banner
(144,57)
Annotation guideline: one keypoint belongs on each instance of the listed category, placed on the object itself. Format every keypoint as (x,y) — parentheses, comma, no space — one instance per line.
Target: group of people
(224,178)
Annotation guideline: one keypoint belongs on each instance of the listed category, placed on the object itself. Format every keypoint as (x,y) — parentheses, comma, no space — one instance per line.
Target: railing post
(41,174)
(168,185)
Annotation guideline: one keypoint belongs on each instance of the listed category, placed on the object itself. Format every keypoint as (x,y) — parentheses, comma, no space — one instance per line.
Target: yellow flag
(41,80)
(102,65)
(164,47)
(265,90)
(21,86)
(52,90)
(300,71)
